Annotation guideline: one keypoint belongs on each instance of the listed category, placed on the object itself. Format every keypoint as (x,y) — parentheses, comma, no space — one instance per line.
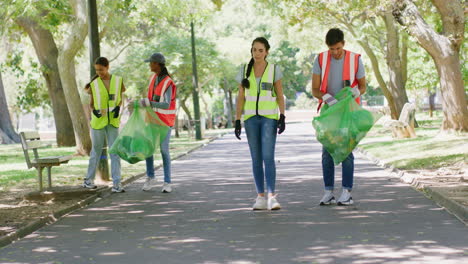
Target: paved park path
(208,218)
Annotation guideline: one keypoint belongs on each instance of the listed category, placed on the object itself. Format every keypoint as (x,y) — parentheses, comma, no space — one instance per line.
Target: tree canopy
(398,57)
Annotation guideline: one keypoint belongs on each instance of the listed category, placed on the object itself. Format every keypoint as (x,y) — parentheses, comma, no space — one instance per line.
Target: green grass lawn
(14,173)
(431,149)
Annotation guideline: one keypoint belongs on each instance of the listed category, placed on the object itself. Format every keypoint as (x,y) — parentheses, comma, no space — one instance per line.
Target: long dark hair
(245,82)
(103,61)
(164,71)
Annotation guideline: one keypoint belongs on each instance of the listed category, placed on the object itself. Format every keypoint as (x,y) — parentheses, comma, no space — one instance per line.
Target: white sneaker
(345,198)
(149,183)
(260,203)
(166,187)
(328,198)
(273,203)
(88,185)
(118,188)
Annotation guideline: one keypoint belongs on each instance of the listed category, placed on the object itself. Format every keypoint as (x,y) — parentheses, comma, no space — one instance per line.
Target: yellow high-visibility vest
(106,100)
(261,101)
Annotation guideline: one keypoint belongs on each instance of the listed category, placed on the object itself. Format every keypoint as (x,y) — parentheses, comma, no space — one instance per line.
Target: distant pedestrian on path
(106,92)
(332,70)
(162,98)
(260,96)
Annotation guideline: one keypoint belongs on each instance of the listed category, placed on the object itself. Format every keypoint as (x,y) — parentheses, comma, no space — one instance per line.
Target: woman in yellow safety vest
(106,99)
(260,97)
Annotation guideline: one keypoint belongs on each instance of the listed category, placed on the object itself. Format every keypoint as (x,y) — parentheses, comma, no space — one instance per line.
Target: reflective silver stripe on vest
(271,73)
(164,88)
(267,98)
(164,111)
(352,72)
(151,79)
(261,112)
(98,93)
(117,87)
(324,63)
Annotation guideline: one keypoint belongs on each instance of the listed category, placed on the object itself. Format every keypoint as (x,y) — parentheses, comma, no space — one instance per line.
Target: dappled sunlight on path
(208,217)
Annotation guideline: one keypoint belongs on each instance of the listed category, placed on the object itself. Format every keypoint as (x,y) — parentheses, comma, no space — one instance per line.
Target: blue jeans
(166,157)
(98,137)
(328,168)
(261,135)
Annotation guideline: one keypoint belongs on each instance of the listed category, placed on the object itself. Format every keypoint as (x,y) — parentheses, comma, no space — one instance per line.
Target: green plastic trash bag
(140,137)
(340,127)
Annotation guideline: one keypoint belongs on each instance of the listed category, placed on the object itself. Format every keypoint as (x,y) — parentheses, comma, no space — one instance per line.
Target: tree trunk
(404,56)
(396,78)
(228,98)
(47,53)
(394,112)
(444,49)
(66,60)
(431,103)
(453,94)
(7,132)
(209,118)
(207,112)
(186,110)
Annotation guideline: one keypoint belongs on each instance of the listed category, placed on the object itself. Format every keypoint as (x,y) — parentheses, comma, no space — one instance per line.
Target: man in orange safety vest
(333,70)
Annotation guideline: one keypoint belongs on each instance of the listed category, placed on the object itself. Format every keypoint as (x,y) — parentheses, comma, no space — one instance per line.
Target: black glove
(116,111)
(281,124)
(238,129)
(97,113)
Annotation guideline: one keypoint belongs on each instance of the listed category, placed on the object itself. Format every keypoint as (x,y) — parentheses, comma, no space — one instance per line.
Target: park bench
(31,141)
(404,126)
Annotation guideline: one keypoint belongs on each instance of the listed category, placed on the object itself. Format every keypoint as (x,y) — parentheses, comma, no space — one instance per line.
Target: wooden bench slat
(52,159)
(30,134)
(34,144)
(31,140)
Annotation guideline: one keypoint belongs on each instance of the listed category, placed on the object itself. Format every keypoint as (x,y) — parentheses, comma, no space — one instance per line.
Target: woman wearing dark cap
(162,98)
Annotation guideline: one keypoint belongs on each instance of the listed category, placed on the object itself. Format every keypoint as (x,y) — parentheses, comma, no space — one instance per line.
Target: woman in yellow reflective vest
(260,97)
(106,98)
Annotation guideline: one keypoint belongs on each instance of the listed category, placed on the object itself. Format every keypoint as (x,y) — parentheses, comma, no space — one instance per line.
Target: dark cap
(157,57)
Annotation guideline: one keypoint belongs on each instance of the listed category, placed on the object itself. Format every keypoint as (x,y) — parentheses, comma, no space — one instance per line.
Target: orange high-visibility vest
(350,69)
(166,115)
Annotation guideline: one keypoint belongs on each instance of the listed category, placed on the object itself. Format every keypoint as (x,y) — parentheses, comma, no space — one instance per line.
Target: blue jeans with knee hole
(261,135)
